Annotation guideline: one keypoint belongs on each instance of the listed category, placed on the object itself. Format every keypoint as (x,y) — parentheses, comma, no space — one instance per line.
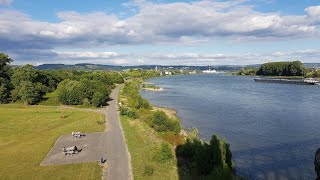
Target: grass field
(27,133)
(142,143)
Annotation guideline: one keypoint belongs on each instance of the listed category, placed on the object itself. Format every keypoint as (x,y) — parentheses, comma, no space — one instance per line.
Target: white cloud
(200,22)
(46,56)
(154,23)
(87,55)
(5,2)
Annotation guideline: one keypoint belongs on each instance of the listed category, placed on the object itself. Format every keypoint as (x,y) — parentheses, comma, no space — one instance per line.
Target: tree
(27,85)
(30,93)
(294,68)
(229,156)
(216,150)
(69,92)
(5,77)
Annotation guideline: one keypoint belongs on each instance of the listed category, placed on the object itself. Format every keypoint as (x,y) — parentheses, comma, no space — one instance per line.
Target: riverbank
(159,147)
(148,157)
(152,89)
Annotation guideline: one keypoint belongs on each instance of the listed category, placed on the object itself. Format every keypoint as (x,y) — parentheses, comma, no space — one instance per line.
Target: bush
(164,154)
(101,121)
(162,123)
(86,102)
(131,113)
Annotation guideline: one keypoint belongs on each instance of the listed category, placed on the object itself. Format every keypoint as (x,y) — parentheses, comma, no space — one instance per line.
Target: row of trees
(24,84)
(246,72)
(29,85)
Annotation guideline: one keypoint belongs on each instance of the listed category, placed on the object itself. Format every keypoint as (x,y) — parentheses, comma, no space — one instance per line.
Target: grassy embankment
(144,144)
(149,129)
(27,133)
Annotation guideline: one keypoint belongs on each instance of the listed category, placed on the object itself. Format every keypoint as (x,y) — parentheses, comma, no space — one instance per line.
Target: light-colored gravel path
(118,158)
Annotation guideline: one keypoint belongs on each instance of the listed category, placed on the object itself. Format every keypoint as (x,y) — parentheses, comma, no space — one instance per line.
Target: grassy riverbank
(160,149)
(27,133)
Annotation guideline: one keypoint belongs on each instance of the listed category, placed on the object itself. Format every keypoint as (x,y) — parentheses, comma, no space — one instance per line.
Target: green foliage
(162,123)
(216,149)
(228,156)
(131,91)
(313,74)
(164,154)
(99,98)
(151,86)
(295,68)
(69,92)
(86,92)
(131,113)
(246,72)
(29,85)
(148,170)
(205,159)
(31,93)
(101,121)
(5,77)
(143,74)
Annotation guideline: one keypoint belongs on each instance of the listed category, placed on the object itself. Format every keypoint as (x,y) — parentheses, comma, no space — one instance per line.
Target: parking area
(93,147)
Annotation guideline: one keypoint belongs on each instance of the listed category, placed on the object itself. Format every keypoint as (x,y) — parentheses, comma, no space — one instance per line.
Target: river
(273,129)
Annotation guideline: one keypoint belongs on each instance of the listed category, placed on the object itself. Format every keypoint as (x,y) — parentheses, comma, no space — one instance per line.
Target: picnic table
(77,134)
(71,150)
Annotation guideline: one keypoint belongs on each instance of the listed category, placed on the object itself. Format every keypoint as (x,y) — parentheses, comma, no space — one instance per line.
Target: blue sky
(202,32)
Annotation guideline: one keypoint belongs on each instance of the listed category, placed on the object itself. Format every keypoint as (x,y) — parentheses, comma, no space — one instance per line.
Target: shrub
(86,102)
(162,123)
(101,121)
(164,154)
(131,113)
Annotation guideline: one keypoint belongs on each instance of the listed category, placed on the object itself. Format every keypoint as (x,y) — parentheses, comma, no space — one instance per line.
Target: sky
(160,32)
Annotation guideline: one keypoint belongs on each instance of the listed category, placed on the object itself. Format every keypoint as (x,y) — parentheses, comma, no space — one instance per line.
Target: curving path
(118,165)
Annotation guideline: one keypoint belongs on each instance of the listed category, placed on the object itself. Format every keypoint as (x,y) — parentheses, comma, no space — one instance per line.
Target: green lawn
(27,133)
(142,143)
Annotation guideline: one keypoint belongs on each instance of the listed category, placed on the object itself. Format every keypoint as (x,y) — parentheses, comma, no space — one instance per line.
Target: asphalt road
(118,158)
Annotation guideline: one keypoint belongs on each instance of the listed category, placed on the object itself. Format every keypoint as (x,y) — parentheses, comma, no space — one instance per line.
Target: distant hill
(88,67)
(91,67)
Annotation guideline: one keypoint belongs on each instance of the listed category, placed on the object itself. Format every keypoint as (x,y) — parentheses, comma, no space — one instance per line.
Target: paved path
(118,158)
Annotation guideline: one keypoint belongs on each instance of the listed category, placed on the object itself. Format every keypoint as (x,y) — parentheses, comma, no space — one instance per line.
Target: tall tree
(216,150)
(27,85)
(5,76)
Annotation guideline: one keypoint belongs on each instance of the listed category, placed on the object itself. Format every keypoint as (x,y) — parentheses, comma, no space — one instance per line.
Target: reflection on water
(273,129)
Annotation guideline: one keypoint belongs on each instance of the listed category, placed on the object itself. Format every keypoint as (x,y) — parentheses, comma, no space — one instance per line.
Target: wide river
(273,129)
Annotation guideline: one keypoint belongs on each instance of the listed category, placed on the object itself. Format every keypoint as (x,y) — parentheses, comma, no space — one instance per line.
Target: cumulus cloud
(181,23)
(155,23)
(35,56)
(5,2)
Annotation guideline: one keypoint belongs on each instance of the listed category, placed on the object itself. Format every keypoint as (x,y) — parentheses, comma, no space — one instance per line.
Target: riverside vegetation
(294,69)
(158,148)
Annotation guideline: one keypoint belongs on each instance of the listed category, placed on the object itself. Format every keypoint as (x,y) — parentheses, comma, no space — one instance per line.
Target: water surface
(273,129)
